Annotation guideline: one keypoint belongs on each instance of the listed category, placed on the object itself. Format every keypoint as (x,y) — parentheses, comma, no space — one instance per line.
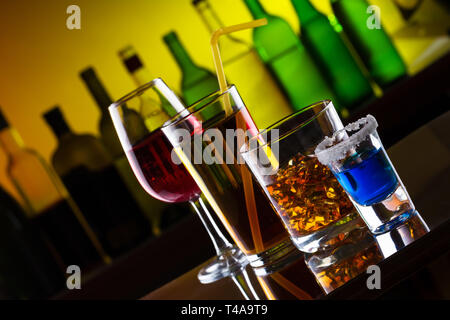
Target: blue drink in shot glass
(357,158)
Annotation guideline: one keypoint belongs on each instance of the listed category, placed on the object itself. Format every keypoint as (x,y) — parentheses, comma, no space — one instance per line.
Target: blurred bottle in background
(27,268)
(418,29)
(48,204)
(87,170)
(149,206)
(153,114)
(408,7)
(281,50)
(196,82)
(372,44)
(261,93)
(331,54)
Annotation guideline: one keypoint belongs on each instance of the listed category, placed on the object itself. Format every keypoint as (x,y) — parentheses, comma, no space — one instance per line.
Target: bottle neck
(180,54)
(11,141)
(141,75)
(230,47)
(208,15)
(305,10)
(256,9)
(61,130)
(134,66)
(59,126)
(97,90)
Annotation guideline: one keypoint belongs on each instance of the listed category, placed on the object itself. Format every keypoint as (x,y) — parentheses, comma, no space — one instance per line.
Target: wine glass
(150,156)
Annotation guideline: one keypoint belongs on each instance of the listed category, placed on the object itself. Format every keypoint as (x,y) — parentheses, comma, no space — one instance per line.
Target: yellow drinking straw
(285,284)
(216,52)
(290,287)
(246,177)
(221,73)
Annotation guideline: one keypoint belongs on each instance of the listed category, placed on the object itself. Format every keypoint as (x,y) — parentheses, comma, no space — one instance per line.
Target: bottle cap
(130,59)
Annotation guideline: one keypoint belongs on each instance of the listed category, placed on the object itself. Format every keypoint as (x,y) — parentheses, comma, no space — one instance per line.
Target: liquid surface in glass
(161,178)
(308,196)
(368,177)
(222,184)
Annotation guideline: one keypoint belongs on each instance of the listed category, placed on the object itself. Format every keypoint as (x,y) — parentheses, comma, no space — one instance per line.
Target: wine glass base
(231,261)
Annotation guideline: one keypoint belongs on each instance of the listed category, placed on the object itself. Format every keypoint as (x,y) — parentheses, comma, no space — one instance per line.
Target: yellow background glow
(40,58)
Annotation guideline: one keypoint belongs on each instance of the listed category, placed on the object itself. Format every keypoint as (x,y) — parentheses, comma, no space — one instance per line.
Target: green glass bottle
(332,55)
(372,44)
(197,82)
(281,50)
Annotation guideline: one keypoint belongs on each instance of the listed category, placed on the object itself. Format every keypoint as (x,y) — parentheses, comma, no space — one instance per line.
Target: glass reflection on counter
(358,249)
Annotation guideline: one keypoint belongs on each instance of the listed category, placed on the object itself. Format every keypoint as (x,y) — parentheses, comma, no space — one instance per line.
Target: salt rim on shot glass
(357,158)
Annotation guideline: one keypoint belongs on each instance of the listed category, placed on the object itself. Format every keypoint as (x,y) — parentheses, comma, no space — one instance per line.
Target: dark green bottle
(281,50)
(373,45)
(332,55)
(197,82)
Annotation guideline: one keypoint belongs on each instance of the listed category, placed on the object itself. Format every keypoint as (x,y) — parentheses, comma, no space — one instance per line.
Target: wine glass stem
(218,239)
(244,284)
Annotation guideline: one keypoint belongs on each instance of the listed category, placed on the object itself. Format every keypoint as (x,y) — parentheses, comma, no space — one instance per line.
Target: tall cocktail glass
(207,139)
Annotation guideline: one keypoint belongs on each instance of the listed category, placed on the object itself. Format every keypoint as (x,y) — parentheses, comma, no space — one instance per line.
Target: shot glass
(307,197)
(356,156)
